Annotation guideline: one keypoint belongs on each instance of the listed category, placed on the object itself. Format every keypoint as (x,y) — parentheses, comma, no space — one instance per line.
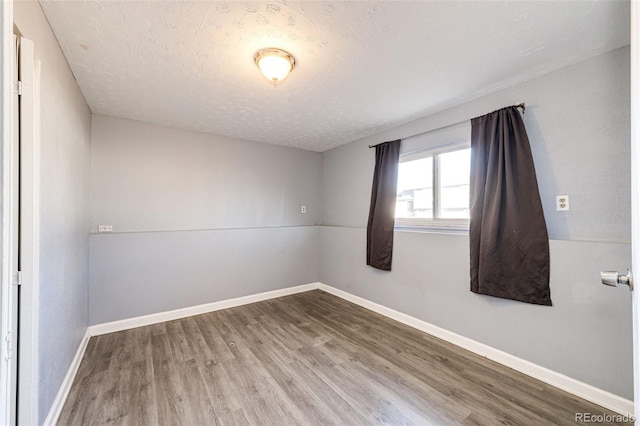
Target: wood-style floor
(306,359)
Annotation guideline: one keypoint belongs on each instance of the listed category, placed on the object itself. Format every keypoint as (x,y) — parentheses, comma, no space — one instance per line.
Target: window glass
(454,184)
(415,189)
(433,188)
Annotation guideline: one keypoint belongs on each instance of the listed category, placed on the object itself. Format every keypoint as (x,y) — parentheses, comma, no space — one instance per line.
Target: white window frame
(435,223)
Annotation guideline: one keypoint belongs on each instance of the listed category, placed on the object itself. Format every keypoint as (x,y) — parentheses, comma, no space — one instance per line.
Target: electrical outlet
(105,228)
(562,202)
(303,209)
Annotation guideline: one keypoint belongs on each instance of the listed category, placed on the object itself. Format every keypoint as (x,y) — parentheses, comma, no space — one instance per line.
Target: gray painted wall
(578,121)
(64,206)
(152,178)
(197,218)
(135,274)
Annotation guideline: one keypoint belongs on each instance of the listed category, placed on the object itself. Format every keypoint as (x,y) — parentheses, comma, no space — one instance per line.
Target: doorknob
(614,279)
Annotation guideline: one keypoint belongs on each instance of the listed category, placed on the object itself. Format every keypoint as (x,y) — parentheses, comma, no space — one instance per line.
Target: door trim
(29,234)
(635,195)
(6,322)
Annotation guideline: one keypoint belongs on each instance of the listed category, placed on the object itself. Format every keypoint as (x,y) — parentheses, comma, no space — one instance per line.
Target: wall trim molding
(465,233)
(65,386)
(583,390)
(553,378)
(167,231)
(126,324)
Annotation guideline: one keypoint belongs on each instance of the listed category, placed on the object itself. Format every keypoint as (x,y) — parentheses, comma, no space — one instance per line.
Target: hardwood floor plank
(197,405)
(339,407)
(81,401)
(297,391)
(180,348)
(111,402)
(306,359)
(237,417)
(218,385)
(142,398)
(166,381)
(280,405)
(198,345)
(243,384)
(208,327)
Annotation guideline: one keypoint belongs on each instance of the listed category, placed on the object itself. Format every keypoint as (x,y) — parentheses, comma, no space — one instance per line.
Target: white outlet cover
(303,209)
(562,202)
(105,228)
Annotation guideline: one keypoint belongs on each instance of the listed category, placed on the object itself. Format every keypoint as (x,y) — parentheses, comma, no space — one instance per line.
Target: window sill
(455,230)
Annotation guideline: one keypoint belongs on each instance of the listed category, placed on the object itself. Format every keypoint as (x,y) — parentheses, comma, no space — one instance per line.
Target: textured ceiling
(361,67)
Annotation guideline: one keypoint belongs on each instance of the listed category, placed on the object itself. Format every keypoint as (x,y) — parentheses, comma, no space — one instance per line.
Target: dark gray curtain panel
(383,205)
(507,232)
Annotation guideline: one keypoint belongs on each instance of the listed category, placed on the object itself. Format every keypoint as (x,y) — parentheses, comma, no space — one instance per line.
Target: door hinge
(18,280)
(18,88)
(8,348)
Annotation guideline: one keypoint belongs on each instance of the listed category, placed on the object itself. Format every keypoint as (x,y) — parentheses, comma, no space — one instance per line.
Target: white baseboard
(576,387)
(573,386)
(65,387)
(126,324)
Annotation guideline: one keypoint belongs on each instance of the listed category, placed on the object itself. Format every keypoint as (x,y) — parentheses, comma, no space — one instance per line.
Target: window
(433,188)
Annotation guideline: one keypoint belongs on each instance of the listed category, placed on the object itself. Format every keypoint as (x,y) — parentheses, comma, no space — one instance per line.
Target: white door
(10,238)
(635,195)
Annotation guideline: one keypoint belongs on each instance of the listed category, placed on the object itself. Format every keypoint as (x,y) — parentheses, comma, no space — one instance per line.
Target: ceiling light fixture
(275,64)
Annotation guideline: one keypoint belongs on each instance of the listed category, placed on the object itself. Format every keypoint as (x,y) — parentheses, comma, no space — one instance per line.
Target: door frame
(8,227)
(7,392)
(635,196)
(26,406)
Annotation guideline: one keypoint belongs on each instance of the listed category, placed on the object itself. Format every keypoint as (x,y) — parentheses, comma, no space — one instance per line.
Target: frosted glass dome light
(275,64)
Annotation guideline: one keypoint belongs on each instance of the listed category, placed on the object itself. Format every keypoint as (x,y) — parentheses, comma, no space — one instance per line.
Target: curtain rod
(518,105)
